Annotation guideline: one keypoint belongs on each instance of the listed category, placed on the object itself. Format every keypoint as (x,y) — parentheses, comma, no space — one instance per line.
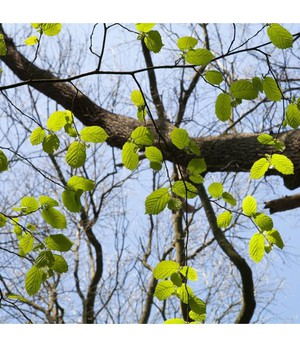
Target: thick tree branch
(283,204)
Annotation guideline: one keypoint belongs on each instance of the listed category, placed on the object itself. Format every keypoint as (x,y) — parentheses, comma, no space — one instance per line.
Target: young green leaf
(76,155)
(256,81)
(199,56)
(59,265)
(130,157)
(266,139)
(144,27)
(54,218)
(3,220)
(175,321)
(196,178)
(243,89)
(58,242)
(33,280)
(197,317)
(215,190)
(185,292)
(153,41)
(29,204)
(282,164)
(223,108)
(249,206)
(56,120)
(197,305)
(184,189)
(180,138)
(224,219)
(197,166)
(141,113)
(45,258)
(174,204)
(227,197)
(194,148)
(176,279)
(71,200)
(165,269)
(259,168)
(274,237)
(189,272)
(77,182)
(70,130)
(214,77)
(47,202)
(50,143)
(93,134)
(279,36)
(3,49)
(31,40)
(49,29)
(17,297)
(164,289)
(154,154)
(157,201)
(271,89)
(292,116)
(186,43)
(3,162)
(263,221)
(142,136)
(257,247)
(37,136)
(137,98)
(26,243)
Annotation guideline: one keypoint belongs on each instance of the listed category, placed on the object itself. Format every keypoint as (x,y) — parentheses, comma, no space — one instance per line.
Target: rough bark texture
(227,153)
(283,204)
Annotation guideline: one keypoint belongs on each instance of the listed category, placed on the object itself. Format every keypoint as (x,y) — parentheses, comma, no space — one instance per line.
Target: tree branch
(283,204)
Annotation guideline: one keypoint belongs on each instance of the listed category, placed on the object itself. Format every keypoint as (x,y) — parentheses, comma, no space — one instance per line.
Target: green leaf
(44,259)
(271,89)
(70,130)
(33,280)
(16,297)
(144,27)
(58,242)
(130,157)
(164,289)
(50,143)
(189,272)
(224,219)
(153,154)
(259,168)
(257,247)
(214,77)
(249,206)
(199,56)
(266,139)
(3,49)
(194,148)
(47,202)
(54,218)
(292,116)
(56,120)
(157,201)
(256,81)
(60,265)
(141,113)
(142,136)
(165,269)
(282,164)
(71,200)
(176,279)
(137,98)
(153,41)
(197,305)
(223,108)
(175,321)
(29,204)
(76,155)
(196,166)
(3,220)
(227,197)
(274,237)
(77,182)
(279,145)
(186,43)
(93,134)
(50,29)
(197,317)
(263,221)
(3,162)
(184,189)
(243,89)
(26,243)
(279,36)
(196,178)
(174,204)
(185,292)
(180,138)
(37,136)
(31,40)
(215,190)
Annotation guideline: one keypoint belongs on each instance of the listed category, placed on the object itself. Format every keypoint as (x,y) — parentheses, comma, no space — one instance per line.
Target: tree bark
(223,153)
(283,204)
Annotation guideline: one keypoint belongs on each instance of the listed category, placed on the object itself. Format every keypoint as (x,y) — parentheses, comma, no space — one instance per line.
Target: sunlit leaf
(33,280)
(186,42)
(243,89)
(93,134)
(54,218)
(76,155)
(157,201)
(271,89)
(58,242)
(249,205)
(223,107)
(130,157)
(282,164)
(279,36)
(37,136)
(153,41)
(164,289)
(259,168)
(224,219)
(184,189)
(257,247)
(144,27)
(199,56)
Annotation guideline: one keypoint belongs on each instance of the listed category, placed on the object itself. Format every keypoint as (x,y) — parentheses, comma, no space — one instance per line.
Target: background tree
(173,84)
